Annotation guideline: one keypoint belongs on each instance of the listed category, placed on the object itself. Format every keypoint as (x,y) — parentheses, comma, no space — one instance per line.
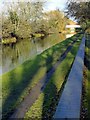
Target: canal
(12,56)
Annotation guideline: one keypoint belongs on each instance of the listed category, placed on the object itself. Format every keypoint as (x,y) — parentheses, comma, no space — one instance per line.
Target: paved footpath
(70,101)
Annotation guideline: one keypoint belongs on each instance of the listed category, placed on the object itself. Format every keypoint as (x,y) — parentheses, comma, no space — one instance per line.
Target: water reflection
(69,35)
(26,49)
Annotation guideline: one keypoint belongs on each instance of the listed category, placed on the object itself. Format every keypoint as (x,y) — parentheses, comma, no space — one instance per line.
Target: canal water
(25,49)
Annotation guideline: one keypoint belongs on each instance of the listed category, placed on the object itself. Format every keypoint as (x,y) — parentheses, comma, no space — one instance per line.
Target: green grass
(44,105)
(88,97)
(17,83)
(88,73)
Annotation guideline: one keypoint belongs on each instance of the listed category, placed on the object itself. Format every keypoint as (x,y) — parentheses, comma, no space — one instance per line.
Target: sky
(55,4)
(49,5)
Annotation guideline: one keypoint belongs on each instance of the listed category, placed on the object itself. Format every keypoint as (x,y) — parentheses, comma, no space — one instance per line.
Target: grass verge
(87,73)
(17,83)
(45,105)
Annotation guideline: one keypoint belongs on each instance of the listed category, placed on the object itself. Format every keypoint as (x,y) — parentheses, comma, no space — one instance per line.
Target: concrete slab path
(70,101)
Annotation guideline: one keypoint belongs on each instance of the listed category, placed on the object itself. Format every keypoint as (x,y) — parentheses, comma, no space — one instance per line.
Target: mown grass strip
(87,78)
(43,107)
(17,83)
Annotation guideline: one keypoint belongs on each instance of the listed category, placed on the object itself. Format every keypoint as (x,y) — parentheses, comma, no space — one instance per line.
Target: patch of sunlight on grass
(32,113)
(62,71)
(44,55)
(18,72)
(40,73)
(50,51)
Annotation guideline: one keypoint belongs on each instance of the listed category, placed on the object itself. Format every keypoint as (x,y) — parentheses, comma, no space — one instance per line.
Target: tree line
(25,19)
(80,11)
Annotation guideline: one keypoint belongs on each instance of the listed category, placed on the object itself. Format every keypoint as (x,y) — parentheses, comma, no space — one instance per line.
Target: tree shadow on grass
(49,90)
(87,53)
(87,71)
(18,80)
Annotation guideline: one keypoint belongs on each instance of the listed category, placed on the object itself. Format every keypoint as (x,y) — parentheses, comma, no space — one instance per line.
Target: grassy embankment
(44,107)
(18,82)
(87,72)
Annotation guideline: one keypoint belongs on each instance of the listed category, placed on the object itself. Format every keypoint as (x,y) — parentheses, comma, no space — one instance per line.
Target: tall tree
(22,18)
(80,11)
(56,20)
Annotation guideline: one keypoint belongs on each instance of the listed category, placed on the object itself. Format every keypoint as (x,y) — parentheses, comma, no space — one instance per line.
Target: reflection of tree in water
(62,36)
(39,40)
(16,54)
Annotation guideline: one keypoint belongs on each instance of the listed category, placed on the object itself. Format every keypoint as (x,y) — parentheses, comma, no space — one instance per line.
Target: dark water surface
(25,49)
